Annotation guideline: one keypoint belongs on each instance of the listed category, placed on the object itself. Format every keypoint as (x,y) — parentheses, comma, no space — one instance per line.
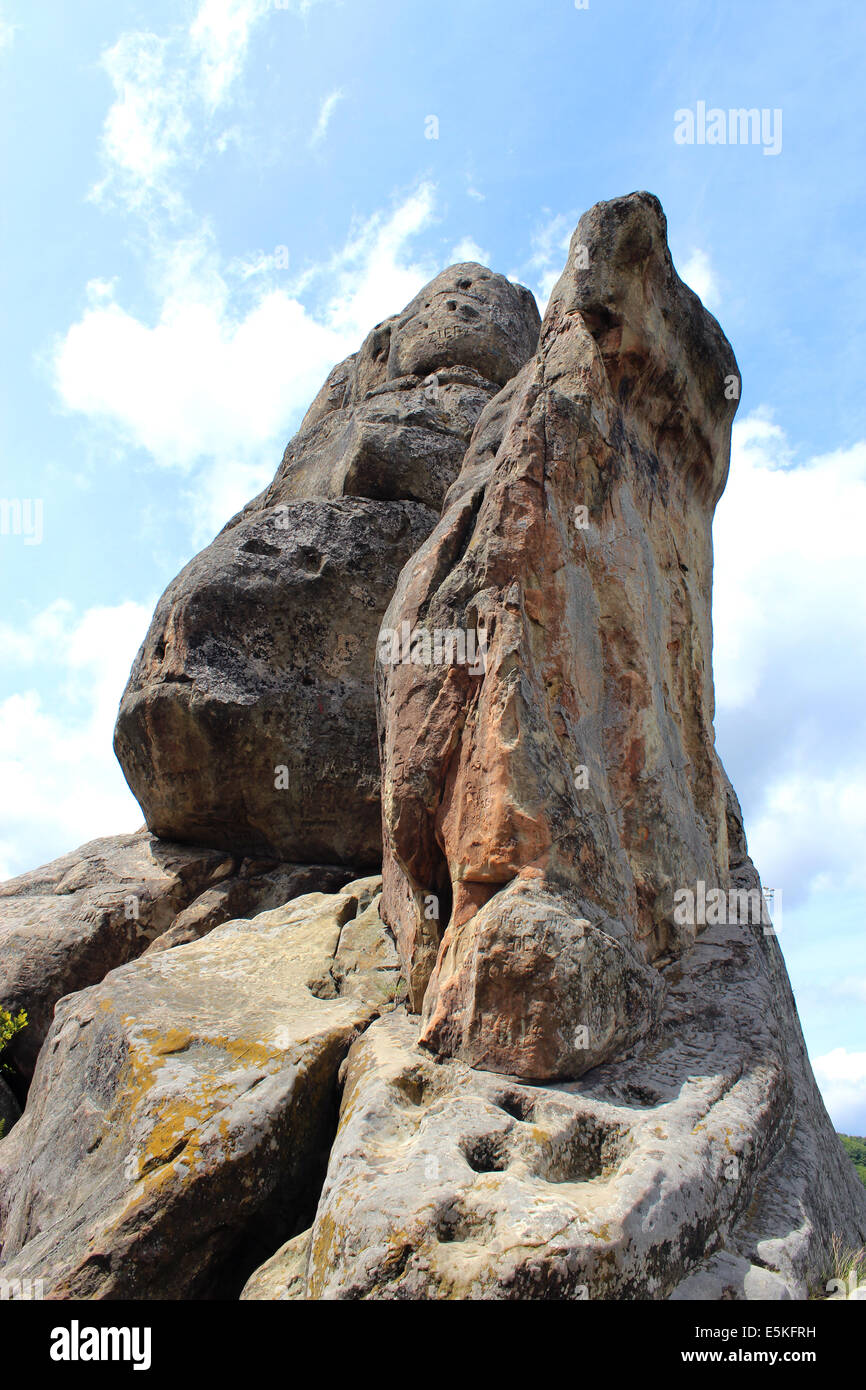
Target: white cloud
(699,275)
(550,242)
(841,1075)
(222,489)
(167,91)
(301,7)
(220,35)
(468,249)
(148,126)
(372,275)
(61,782)
(326,111)
(206,379)
(790,638)
(232,356)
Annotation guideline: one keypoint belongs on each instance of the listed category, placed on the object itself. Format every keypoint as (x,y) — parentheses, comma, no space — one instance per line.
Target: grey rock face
(260,653)
(179,1118)
(248,721)
(602,1100)
(467,315)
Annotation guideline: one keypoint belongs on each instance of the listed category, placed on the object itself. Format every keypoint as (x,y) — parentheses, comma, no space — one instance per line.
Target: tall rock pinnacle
(556,799)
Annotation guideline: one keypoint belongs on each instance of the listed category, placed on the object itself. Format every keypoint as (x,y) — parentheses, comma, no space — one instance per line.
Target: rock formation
(249,719)
(700,1166)
(524,1068)
(557,797)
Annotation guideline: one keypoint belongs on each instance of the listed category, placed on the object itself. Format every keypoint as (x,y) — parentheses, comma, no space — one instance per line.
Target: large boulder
(180,1117)
(704,1165)
(249,719)
(543,803)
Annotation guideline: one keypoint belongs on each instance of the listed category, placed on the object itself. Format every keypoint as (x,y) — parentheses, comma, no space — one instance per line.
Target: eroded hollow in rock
(591,1150)
(486,1153)
(517,1105)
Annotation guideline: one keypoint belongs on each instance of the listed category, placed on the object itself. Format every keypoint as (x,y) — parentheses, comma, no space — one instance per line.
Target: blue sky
(208,202)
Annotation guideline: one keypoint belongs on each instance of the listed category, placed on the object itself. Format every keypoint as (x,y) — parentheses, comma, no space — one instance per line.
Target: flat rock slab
(181,1112)
(65,925)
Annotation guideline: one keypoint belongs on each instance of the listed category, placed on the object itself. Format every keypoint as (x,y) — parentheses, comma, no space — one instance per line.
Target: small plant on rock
(10,1024)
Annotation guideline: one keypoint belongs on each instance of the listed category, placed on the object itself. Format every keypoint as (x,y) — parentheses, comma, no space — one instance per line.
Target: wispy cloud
(326,111)
(220,37)
(220,373)
(550,241)
(168,89)
(700,276)
(841,1076)
(467,249)
(7,33)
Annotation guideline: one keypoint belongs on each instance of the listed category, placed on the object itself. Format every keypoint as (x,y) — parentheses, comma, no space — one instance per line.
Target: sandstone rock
(571,776)
(248,721)
(65,925)
(702,1166)
(179,1120)
(367,956)
(259,656)
(730,1277)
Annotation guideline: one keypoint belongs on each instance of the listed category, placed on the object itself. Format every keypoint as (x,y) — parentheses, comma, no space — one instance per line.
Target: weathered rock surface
(65,925)
(179,1119)
(257,887)
(564,791)
(260,654)
(704,1165)
(248,722)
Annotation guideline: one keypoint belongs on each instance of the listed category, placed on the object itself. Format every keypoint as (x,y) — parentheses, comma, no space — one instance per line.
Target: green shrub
(856,1150)
(10,1024)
